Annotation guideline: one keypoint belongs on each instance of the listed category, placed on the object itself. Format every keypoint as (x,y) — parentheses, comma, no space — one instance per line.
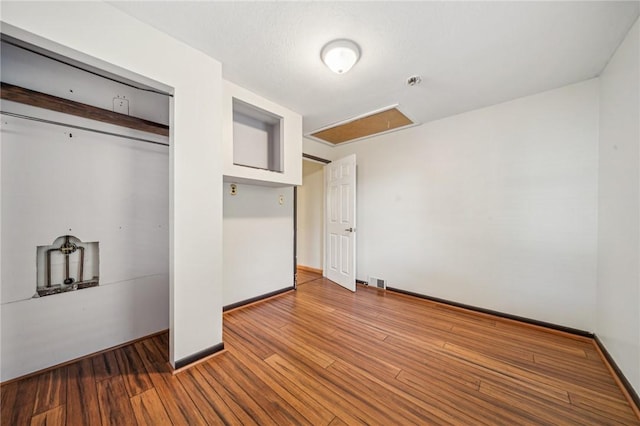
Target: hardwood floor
(325,356)
(306,276)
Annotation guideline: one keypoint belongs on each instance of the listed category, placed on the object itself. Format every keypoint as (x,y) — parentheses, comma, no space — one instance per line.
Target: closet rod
(57,123)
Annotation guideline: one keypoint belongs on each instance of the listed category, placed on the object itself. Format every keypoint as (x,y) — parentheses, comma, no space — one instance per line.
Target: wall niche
(257,138)
(262,141)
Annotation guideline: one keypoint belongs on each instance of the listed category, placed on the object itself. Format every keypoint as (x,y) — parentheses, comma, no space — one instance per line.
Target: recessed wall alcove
(257,137)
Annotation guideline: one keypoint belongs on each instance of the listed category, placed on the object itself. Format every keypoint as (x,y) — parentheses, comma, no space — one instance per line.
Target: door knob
(350,230)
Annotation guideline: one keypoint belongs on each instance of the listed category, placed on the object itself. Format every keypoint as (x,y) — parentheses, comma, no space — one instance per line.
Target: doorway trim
(295,218)
(314,158)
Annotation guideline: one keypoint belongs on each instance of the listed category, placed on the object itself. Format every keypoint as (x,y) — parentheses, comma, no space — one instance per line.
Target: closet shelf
(21,95)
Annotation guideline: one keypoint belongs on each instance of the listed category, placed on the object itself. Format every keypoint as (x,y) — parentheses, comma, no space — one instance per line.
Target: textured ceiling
(469,54)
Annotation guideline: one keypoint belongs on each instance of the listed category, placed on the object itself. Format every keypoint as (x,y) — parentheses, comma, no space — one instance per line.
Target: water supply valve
(68,247)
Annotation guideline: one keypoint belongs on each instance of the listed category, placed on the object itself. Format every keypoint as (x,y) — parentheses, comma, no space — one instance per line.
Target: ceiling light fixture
(340,55)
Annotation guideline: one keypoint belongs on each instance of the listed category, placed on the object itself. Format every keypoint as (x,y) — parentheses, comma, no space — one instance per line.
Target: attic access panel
(364,126)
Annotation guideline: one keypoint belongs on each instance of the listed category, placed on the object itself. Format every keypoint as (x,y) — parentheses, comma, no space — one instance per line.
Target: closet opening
(84,177)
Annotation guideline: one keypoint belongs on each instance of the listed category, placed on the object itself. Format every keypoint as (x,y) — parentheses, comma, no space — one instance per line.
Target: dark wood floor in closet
(324,356)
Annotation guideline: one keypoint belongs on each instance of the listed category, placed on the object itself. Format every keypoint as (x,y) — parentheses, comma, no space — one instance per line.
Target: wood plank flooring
(306,276)
(324,356)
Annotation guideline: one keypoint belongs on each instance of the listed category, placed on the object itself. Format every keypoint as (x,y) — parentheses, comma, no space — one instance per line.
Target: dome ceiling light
(340,55)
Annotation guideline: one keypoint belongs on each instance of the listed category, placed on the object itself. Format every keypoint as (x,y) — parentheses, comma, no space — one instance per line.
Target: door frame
(295,222)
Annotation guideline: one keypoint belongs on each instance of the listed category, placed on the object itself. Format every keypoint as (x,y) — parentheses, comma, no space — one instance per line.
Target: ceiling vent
(363,126)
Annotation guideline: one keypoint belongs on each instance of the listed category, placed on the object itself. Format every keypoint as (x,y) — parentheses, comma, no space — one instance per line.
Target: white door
(340,221)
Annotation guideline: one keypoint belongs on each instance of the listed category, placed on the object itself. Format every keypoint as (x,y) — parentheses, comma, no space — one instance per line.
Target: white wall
(253,141)
(84,30)
(618,292)
(311,215)
(318,149)
(258,241)
(495,208)
(94,187)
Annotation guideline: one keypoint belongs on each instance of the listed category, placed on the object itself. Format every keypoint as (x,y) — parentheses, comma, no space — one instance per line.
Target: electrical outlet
(234,189)
(121,105)
(281,199)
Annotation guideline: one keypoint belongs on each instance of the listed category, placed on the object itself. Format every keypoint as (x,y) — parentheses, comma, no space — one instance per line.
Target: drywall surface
(318,149)
(258,241)
(311,215)
(58,182)
(618,291)
(252,141)
(495,208)
(143,54)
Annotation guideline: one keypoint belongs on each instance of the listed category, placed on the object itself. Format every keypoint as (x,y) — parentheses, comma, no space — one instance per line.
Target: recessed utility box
(257,137)
(66,265)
